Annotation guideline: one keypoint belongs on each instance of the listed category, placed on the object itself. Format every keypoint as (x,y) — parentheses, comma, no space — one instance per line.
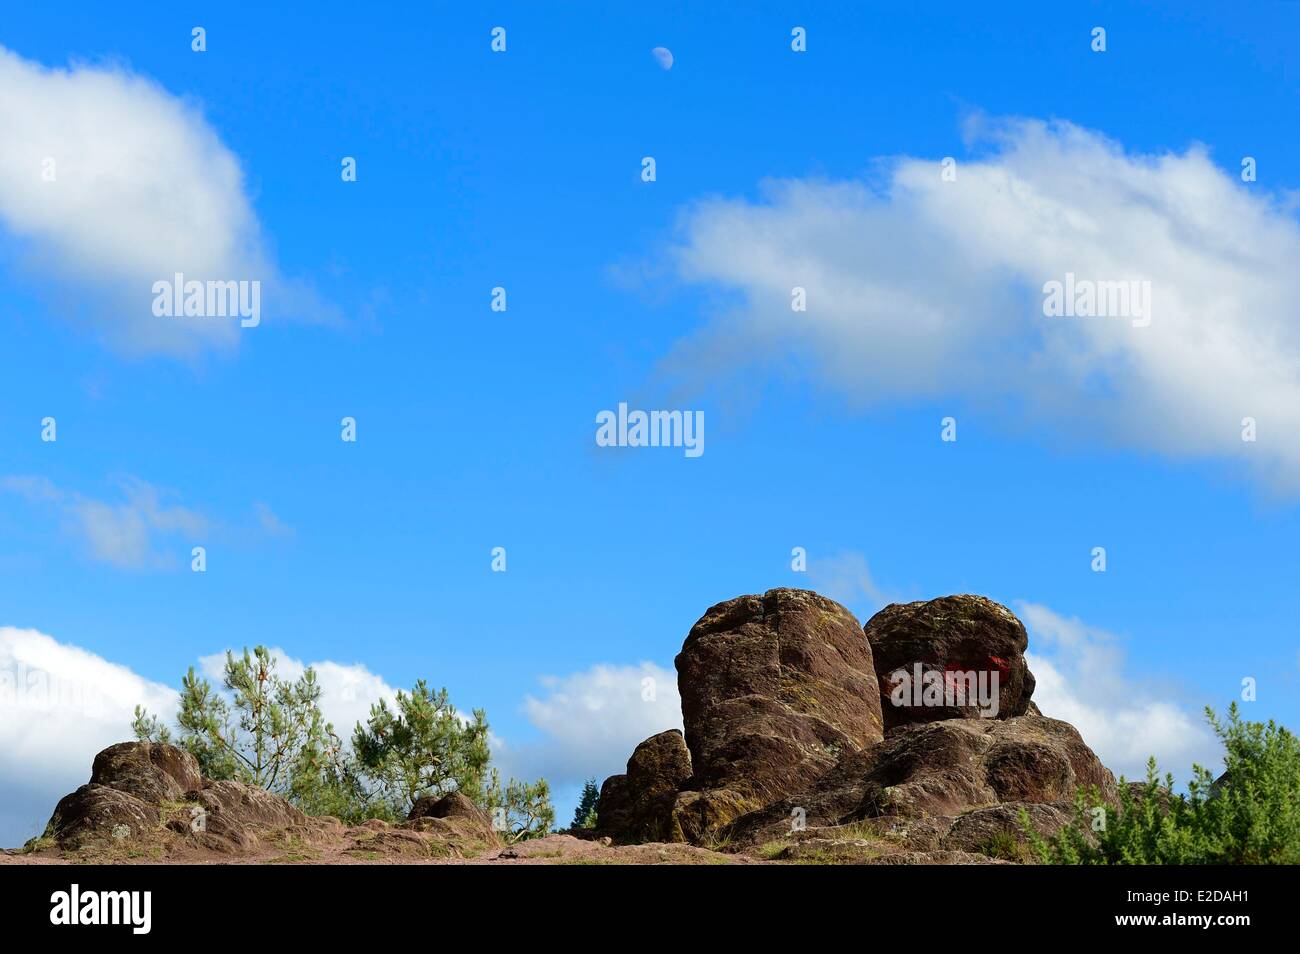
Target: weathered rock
(239,813)
(831,851)
(697,817)
(997,830)
(403,843)
(614,808)
(781,698)
(451,805)
(914,834)
(147,797)
(638,806)
(568,850)
(944,767)
(939,769)
(659,765)
(97,813)
(461,826)
(950,637)
(153,772)
(129,783)
(775,688)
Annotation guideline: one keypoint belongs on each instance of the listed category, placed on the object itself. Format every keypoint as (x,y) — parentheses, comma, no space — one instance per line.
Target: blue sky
(475,428)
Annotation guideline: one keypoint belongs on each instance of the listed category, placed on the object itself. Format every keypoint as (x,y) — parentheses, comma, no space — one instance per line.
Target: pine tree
(585,815)
(519,811)
(262,730)
(422,746)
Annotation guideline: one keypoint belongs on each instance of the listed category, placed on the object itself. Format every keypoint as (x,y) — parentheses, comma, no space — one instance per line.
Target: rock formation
(149,799)
(912,740)
(951,638)
(796,726)
(639,805)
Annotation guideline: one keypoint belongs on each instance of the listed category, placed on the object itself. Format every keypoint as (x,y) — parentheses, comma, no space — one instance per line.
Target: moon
(663,56)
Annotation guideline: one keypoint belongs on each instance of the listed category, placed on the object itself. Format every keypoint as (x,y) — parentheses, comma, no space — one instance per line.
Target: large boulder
(775,689)
(955,657)
(458,826)
(132,784)
(151,771)
(698,817)
(144,790)
(940,770)
(451,805)
(638,806)
(99,814)
(782,700)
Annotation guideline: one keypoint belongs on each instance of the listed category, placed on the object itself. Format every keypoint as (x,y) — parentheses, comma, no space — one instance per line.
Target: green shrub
(519,811)
(1250,816)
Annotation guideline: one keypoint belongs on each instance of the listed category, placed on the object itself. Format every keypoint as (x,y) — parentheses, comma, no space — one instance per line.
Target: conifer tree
(585,815)
(262,730)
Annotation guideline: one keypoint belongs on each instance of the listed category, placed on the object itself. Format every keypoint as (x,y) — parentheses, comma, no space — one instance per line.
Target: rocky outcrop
(966,650)
(639,806)
(239,815)
(939,770)
(940,767)
(460,824)
(775,688)
(129,784)
(96,813)
(152,772)
(787,755)
(150,799)
(451,805)
(150,792)
(782,699)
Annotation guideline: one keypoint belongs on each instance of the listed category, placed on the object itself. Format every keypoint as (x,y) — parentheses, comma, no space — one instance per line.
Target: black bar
(369,902)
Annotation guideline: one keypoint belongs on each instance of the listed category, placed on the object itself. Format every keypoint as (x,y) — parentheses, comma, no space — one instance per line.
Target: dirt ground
(388,848)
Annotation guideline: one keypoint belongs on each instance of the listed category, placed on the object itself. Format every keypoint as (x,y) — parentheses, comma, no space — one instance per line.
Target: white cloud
(923,288)
(121,533)
(59,706)
(143,188)
(590,721)
(1081,680)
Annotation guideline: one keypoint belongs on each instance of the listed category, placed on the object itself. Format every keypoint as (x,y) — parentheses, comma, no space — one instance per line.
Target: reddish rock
(638,806)
(151,771)
(451,805)
(998,829)
(239,813)
(958,644)
(942,769)
(775,688)
(97,813)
